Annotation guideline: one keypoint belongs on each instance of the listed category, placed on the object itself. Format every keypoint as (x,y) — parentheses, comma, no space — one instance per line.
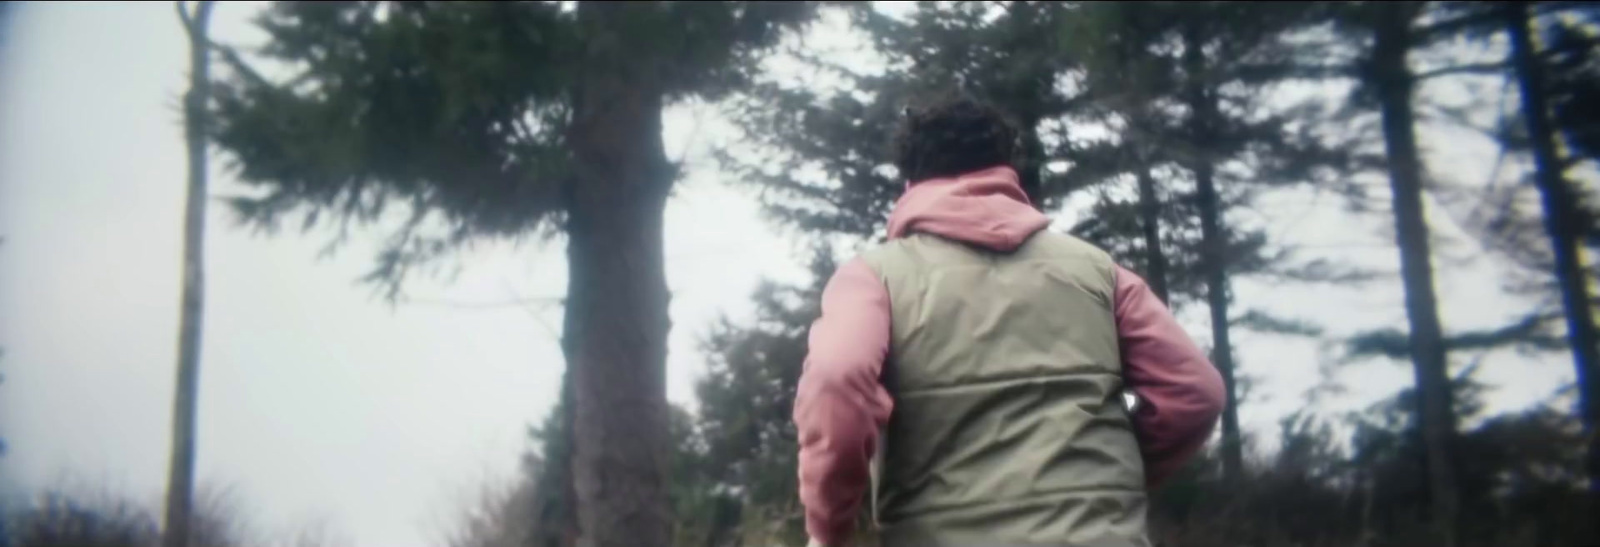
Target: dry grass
(79,516)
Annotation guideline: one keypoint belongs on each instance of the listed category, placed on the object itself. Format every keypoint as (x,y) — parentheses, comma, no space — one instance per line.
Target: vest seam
(986,383)
(1063,494)
(1061,261)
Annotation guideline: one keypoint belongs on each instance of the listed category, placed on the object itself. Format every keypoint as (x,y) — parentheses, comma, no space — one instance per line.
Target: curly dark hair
(951,135)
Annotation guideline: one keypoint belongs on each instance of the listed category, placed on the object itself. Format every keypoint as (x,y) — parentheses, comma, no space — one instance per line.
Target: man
(972,368)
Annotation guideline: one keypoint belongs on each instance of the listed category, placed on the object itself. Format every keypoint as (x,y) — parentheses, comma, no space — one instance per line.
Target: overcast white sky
(319,401)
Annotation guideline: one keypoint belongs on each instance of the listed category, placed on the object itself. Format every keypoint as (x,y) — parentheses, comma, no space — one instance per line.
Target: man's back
(980,359)
(1007,382)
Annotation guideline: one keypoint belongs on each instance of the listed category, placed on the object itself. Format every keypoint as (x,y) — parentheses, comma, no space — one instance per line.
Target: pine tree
(1391,28)
(1004,55)
(733,462)
(1574,79)
(747,398)
(1186,83)
(1399,29)
(538,508)
(503,120)
(1496,219)
(1563,219)
(1129,84)
(1128,76)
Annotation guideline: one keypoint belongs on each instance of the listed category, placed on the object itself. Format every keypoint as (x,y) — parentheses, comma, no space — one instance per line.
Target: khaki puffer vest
(1008,427)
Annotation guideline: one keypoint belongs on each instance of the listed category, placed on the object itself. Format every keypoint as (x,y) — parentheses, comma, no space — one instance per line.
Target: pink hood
(985,208)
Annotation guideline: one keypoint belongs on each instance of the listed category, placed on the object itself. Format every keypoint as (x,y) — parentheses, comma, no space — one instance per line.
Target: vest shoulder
(1050,243)
(913,250)
(921,249)
(879,256)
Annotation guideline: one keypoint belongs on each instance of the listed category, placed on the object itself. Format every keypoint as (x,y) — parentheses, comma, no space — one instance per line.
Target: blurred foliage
(78,516)
(457,113)
(816,147)
(821,151)
(1339,480)
(460,114)
(1522,483)
(505,120)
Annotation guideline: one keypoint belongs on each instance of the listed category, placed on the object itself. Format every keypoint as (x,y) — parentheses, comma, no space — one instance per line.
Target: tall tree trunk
(1031,174)
(556,515)
(616,324)
(1213,243)
(1561,221)
(1024,100)
(1150,220)
(180,477)
(1393,80)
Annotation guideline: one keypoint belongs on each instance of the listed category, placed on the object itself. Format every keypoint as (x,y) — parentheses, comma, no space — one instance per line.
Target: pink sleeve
(840,403)
(1180,393)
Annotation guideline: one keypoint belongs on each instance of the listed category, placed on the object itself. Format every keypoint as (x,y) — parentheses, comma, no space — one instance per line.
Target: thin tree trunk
(1031,176)
(1150,219)
(1213,243)
(1393,80)
(1561,221)
(180,478)
(616,323)
(1024,101)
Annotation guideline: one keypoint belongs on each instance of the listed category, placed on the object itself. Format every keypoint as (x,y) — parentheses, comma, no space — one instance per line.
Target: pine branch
(1572,161)
(1530,332)
(1260,73)
(1262,321)
(1489,18)
(518,302)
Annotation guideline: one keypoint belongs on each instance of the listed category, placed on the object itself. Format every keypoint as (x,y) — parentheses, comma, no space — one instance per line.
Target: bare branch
(535,311)
(694,134)
(1497,67)
(517,303)
(194,24)
(184,18)
(237,63)
(1548,8)
(1266,72)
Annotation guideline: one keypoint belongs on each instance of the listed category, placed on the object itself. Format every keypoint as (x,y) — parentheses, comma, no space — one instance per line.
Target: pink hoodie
(840,404)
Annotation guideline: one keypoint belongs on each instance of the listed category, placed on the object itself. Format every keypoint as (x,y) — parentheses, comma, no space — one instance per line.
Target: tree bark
(616,325)
(1561,220)
(556,520)
(180,478)
(1436,419)
(1155,270)
(1213,243)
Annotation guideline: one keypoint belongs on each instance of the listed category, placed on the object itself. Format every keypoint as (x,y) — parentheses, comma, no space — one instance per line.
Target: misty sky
(321,403)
